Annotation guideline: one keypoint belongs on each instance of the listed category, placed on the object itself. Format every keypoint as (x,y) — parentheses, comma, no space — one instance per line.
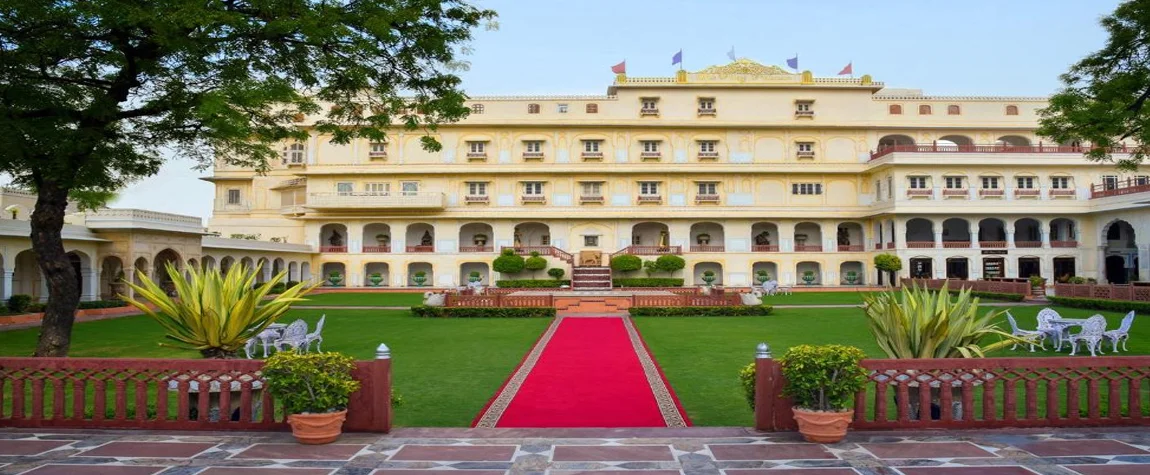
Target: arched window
(895,109)
(953,109)
(924,110)
(477,108)
(1012,110)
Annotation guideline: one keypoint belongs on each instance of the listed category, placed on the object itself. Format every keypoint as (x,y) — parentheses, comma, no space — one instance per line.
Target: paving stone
(301,452)
(264,471)
(1056,448)
(617,453)
(1112,469)
(996,470)
(394,471)
(57,469)
(920,450)
(770,452)
(147,449)
(30,447)
(465,453)
(615,472)
(794,471)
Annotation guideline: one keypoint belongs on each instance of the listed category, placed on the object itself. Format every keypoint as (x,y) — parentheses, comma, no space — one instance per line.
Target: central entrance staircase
(591,278)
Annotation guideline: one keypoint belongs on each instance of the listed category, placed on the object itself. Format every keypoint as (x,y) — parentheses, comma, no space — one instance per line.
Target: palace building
(738,168)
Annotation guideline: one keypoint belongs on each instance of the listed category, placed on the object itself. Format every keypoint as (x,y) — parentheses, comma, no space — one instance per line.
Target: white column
(974,228)
(1010,238)
(91,284)
(1045,232)
(938,237)
(7,291)
(899,235)
(43,289)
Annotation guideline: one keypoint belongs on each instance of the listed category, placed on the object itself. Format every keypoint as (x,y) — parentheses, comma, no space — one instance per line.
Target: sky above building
(974,47)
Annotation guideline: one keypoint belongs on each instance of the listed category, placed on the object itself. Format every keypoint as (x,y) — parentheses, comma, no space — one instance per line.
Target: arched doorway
(650,234)
(957,268)
(334,274)
(852,273)
(921,268)
(111,277)
(420,237)
(532,234)
(160,269)
(707,237)
(1121,253)
(376,274)
(708,271)
(226,264)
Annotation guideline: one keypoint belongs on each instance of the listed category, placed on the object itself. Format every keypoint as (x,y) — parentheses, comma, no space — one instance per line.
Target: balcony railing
(368,200)
(920,244)
(1062,193)
(592,155)
(377,155)
(226,206)
(765,248)
(956,244)
(708,155)
(1118,188)
(650,198)
(706,198)
(591,198)
(420,249)
(1026,193)
(991,192)
(543,251)
(476,249)
(992,148)
(379,249)
(707,111)
(808,248)
(850,247)
(640,250)
(650,155)
(890,245)
(708,248)
(1028,244)
(992,244)
(955,192)
(533,198)
(804,113)
(476,199)
(333,249)
(648,111)
(533,155)
(805,154)
(476,156)
(913,192)
(1064,244)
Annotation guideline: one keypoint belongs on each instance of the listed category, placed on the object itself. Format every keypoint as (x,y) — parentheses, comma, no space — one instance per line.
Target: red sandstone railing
(997,286)
(850,247)
(808,248)
(979,393)
(476,249)
(648,250)
(543,251)
(992,244)
(765,248)
(920,244)
(1027,244)
(377,249)
(1118,188)
(420,249)
(499,299)
(333,249)
(1063,243)
(1104,291)
(708,248)
(993,148)
(686,300)
(955,244)
(165,394)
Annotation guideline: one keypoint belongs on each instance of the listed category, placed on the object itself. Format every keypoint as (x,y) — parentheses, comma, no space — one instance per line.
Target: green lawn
(373,299)
(816,298)
(702,356)
(446,369)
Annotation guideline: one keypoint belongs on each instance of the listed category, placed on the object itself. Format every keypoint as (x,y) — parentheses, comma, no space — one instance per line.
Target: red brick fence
(996,286)
(1135,293)
(982,393)
(166,394)
(686,299)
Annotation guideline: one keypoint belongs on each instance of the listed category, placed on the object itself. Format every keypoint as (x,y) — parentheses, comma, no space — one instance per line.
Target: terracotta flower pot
(823,427)
(317,429)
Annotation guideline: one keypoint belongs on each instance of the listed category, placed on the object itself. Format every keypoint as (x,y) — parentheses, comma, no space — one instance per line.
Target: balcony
(653,156)
(890,245)
(991,148)
(919,193)
(805,154)
(804,114)
(765,248)
(379,156)
(850,248)
(476,199)
(649,111)
(333,249)
(420,249)
(992,244)
(591,199)
(377,249)
(225,206)
(1062,193)
(708,248)
(955,193)
(920,244)
(1064,244)
(533,199)
(588,156)
(706,198)
(366,200)
(650,199)
(1118,188)
(707,111)
(1026,193)
(991,193)
(1027,244)
(708,155)
(476,249)
(956,244)
(808,248)
(533,155)
(477,156)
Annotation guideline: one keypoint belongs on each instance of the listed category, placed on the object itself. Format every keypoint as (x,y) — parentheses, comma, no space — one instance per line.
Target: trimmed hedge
(19,303)
(531,283)
(103,304)
(1101,304)
(735,311)
(647,282)
(483,312)
(994,296)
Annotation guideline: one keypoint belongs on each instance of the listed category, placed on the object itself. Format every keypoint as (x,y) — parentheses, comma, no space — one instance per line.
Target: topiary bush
(647,282)
(535,263)
(508,262)
(670,263)
(556,273)
(19,303)
(626,263)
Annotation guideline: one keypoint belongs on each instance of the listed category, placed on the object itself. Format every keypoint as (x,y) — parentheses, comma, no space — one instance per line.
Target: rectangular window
(477,188)
(344,188)
(878,190)
(990,183)
(591,241)
(708,188)
(295,154)
(1110,182)
(649,188)
(706,103)
(378,149)
(477,147)
(806,188)
(533,188)
(409,188)
(806,147)
(591,146)
(651,146)
(917,182)
(532,108)
(804,109)
(234,196)
(533,146)
(650,103)
(1141,180)
(592,108)
(890,188)
(477,108)
(377,189)
(562,108)
(1025,182)
(707,146)
(592,188)
(953,182)
(1060,182)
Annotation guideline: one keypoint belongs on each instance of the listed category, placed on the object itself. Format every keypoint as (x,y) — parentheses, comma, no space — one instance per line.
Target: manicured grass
(373,299)
(702,356)
(446,369)
(816,298)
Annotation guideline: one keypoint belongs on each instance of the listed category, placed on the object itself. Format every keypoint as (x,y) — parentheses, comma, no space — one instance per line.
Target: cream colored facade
(739,168)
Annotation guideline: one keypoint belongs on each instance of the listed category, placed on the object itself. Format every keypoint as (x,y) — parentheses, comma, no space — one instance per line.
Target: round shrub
(556,273)
(508,262)
(670,263)
(535,263)
(626,263)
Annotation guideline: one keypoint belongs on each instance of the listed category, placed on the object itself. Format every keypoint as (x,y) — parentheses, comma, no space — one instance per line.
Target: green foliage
(114,303)
(647,282)
(213,313)
(1076,280)
(508,262)
(483,312)
(626,263)
(670,263)
(731,311)
(19,303)
(532,283)
(1104,95)
(1036,281)
(920,323)
(747,380)
(278,288)
(535,263)
(1101,304)
(310,382)
(556,273)
(887,263)
(91,200)
(823,377)
(993,295)
(650,268)
(291,283)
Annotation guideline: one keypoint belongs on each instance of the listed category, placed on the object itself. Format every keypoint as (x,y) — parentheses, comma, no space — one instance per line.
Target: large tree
(1103,100)
(93,93)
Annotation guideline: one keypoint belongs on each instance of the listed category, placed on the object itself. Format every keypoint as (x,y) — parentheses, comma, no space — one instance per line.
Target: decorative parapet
(745,71)
(216,242)
(126,218)
(912,97)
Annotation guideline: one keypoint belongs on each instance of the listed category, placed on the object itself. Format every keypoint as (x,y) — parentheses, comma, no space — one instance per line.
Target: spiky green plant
(213,313)
(921,323)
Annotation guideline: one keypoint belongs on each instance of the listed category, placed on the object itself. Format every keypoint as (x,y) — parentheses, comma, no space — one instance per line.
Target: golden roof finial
(745,66)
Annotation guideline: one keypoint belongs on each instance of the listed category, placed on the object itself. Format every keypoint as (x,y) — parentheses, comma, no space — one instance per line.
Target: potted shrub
(822,382)
(1037,285)
(375,278)
(708,277)
(703,239)
(479,240)
(474,277)
(313,389)
(382,239)
(852,277)
(335,278)
(508,262)
(419,278)
(762,276)
(809,277)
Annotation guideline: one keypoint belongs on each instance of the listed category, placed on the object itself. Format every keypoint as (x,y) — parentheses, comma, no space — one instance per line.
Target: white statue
(432,299)
(753,297)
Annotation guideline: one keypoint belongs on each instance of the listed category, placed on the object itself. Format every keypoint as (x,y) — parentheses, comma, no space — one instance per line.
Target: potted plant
(479,240)
(708,277)
(1037,285)
(375,278)
(313,389)
(822,381)
(809,277)
(474,277)
(419,278)
(703,239)
(852,277)
(762,276)
(335,278)
(382,239)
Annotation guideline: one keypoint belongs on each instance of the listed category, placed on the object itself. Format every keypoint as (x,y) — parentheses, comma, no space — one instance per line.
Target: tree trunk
(47,221)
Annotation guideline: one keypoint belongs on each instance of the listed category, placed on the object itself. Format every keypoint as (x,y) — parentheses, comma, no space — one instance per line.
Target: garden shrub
(278,288)
(19,303)
(670,263)
(747,378)
(647,282)
(993,295)
(313,383)
(1101,304)
(35,308)
(531,283)
(292,283)
(823,377)
(733,311)
(535,263)
(508,262)
(483,312)
(556,273)
(626,263)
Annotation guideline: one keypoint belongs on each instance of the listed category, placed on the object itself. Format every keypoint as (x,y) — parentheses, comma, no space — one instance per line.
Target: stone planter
(375,280)
(823,427)
(317,429)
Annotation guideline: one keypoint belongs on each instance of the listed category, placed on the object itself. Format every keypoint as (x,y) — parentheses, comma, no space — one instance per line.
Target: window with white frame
(533,146)
(1024,182)
(649,188)
(344,188)
(477,188)
(295,153)
(806,149)
(378,189)
(591,241)
(378,149)
(234,196)
(953,182)
(591,146)
(990,183)
(562,108)
(1060,182)
(1110,182)
(707,146)
(650,103)
(532,188)
(917,182)
(409,188)
(804,108)
(477,147)
(708,188)
(591,188)
(706,104)
(650,146)
(806,188)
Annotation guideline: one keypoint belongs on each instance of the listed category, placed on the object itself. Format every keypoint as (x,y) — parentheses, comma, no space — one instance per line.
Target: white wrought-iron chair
(1031,336)
(1048,329)
(316,336)
(264,338)
(294,337)
(1122,333)
(1091,335)
(770,287)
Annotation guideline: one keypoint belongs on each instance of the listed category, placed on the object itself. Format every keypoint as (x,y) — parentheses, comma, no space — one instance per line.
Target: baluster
(860,403)
(1031,400)
(101,400)
(269,408)
(79,399)
(903,404)
(880,409)
(1134,396)
(946,401)
(182,400)
(121,400)
(1092,399)
(225,400)
(1009,404)
(203,397)
(968,400)
(1052,401)
(37,399)
(142,398)
(57,399)
(163,392)
(1073,400)
(245,400)
(1115,396)
(924,411)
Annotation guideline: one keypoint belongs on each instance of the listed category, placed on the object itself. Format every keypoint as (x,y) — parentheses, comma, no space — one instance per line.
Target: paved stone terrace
(729,451)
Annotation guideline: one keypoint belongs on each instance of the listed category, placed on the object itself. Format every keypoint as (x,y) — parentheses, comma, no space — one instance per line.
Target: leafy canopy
(1103,99)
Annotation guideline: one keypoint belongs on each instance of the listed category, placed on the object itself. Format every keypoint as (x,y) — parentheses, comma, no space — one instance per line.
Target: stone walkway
(690,451)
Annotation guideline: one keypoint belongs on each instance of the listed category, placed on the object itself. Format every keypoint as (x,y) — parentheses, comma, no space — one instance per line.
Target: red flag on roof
(847,70)
(620,68)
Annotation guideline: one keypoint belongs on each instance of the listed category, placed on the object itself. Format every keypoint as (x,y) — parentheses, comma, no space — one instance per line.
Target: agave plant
(214,313)
(920,323)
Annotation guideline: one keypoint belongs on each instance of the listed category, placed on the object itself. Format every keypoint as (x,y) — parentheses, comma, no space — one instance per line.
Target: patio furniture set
(1092,332)
(282,337)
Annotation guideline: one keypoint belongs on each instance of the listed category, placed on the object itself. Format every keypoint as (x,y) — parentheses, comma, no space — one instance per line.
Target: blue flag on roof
(793,63)
(677,58)
(731,53)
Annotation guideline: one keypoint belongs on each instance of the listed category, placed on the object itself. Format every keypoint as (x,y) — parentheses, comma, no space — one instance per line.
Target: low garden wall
(82,314)
(683,299)
(167,394)
(990,286)
(1129,293)
(980,393)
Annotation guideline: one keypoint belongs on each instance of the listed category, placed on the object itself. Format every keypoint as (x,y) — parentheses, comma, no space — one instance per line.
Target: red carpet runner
(586,372)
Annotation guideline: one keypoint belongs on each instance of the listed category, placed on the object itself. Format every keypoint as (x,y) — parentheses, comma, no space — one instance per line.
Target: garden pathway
(687,451)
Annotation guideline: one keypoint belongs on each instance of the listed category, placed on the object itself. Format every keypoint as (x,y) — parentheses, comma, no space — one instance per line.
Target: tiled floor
(709,451)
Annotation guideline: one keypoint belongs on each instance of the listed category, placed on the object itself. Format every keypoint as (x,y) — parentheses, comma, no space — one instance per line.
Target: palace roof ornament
(745,66)
(745,72)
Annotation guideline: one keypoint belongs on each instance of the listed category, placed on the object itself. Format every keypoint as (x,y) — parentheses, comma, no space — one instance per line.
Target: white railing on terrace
(225,205)
(143,215)
(362,200)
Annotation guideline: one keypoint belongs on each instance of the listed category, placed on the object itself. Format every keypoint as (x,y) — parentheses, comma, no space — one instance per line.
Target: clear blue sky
(975,47)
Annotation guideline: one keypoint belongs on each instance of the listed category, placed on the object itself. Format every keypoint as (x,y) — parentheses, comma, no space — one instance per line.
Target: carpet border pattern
(499,405)
(667,406)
